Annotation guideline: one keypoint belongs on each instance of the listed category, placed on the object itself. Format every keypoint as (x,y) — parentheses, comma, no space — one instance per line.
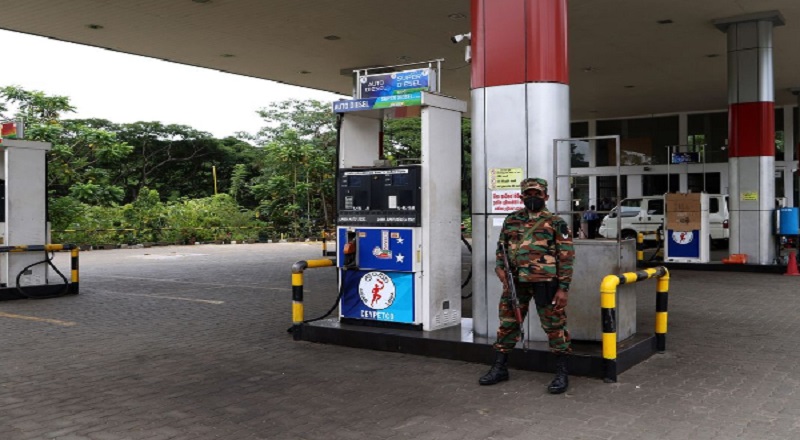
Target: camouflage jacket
(542,255)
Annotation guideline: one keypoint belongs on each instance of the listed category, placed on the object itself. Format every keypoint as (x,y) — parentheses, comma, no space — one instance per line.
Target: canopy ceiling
(627,57)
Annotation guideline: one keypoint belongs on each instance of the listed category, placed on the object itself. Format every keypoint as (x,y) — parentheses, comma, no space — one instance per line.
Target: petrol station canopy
(627,57)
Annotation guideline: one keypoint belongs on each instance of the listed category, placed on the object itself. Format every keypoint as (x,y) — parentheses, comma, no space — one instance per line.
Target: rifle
(512,289)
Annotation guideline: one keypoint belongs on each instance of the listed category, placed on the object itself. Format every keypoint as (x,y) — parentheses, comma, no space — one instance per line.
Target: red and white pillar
(751,133)
(520,103)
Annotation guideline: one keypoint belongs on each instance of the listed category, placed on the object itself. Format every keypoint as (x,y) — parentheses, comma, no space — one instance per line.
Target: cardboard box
(683,211)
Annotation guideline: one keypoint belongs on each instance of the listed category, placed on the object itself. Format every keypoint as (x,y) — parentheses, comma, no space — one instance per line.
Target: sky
(129,88)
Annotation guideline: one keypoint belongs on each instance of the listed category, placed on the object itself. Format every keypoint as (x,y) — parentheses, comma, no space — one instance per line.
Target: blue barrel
(789,222)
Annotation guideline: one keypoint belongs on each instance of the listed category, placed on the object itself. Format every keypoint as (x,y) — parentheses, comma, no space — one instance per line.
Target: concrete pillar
(751,133)
(520,103)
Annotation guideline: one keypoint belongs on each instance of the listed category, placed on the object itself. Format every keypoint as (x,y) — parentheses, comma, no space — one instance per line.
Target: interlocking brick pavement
(190,343)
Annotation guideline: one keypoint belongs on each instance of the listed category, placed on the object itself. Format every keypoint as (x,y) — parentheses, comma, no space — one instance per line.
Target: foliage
(295,182)
(147,219)
(157,182)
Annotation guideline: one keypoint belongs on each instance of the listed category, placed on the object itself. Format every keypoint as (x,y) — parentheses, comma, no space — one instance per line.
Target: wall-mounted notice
(505,178)
(749,196)
(505,201)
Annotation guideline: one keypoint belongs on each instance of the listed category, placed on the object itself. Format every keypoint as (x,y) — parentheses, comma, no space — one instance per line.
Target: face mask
(534,204)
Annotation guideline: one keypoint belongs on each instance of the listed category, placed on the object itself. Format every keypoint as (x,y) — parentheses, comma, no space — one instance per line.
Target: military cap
(533,183)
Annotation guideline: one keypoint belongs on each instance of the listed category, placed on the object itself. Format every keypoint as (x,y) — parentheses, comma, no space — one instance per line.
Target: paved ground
(191,343)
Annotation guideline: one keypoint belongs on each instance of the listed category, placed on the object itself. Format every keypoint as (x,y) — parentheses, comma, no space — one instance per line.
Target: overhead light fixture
(712,55)
(589,69)
(94,26)
(227,55)
(304,72)
(665,21)
(202,1)
(332,37)
(457,16)
(404,58)
(629,86)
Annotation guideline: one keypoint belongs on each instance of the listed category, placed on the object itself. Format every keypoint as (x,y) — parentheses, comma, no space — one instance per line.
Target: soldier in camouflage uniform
(541,254)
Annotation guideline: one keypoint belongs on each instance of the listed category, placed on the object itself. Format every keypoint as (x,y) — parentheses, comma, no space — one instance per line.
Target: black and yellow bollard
(640,247)
(608,299)
(297,291)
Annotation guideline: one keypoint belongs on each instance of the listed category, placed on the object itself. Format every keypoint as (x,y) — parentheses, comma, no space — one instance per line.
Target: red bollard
(791,267)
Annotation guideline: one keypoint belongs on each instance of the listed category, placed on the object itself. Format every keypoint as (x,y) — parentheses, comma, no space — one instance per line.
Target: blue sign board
(378,296)
(395,83)
(678,158)
(683,244)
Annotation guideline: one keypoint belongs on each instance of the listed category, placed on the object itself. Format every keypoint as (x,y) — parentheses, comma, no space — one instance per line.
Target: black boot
(561,382)
(498,373)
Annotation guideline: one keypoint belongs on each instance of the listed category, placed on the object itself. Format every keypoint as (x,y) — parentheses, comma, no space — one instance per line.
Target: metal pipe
(608,293)
(297,291)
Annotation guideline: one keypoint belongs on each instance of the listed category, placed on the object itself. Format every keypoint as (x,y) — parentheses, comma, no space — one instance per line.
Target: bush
(147,219)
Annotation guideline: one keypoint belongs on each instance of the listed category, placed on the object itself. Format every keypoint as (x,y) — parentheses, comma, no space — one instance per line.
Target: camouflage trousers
(554,323)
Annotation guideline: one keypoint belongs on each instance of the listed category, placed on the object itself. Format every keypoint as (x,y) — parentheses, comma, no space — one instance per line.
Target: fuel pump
(787,230)
(23,219)
(688,234)
(398,227)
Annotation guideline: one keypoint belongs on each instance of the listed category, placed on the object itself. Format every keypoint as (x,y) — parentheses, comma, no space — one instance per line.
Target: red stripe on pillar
(518,41)
(547,41)
(751,129)
(501,40)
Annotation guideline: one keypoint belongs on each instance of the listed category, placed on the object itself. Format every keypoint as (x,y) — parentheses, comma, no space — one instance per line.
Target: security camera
(460,37)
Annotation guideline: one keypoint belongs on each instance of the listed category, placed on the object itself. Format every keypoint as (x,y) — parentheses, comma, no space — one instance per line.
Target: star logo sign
(400,258)
(399,240)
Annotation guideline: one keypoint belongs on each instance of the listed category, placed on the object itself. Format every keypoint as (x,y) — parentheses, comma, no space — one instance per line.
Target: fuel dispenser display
(379,197)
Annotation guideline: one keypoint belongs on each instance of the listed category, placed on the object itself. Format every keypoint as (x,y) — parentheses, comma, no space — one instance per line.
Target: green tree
(81,155)
(295,181)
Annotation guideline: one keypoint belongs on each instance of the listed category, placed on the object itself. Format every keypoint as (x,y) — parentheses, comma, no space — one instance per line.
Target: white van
(646,215)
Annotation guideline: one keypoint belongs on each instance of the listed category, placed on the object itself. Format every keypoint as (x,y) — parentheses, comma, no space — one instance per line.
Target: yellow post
(214,172)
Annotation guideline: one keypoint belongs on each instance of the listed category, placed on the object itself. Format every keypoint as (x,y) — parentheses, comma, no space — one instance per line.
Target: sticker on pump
(377,290)
(681,237)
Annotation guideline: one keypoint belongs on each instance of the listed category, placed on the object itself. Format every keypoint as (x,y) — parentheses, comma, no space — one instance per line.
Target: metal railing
(608,295)
(72,287)
(297,290)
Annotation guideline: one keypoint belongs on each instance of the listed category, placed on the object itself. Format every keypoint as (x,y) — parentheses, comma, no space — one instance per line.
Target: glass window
(779,137)
(656,184)
(711,185)
(709,131)
(797,143)
(580,193)
(644,140)
(655,207)
(607,191)
(579,150)
(629,208)
(713,205)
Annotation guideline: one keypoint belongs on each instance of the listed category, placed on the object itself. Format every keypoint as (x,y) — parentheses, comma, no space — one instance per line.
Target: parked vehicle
(646,215)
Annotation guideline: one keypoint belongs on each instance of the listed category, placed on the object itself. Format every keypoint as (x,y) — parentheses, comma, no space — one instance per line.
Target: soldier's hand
(560,300)
(501,274)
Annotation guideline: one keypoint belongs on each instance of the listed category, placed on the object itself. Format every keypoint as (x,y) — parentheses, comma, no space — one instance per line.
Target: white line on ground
(178,298)
(160,280)
(34,318)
